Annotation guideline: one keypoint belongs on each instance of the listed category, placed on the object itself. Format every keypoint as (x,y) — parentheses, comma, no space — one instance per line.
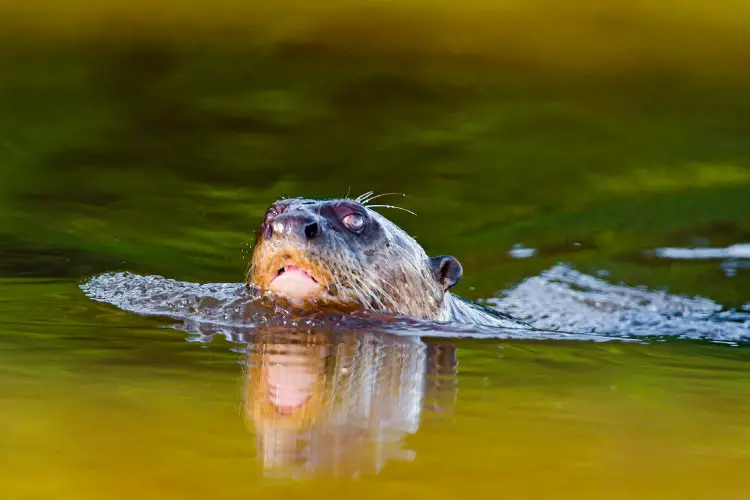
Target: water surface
(112,405)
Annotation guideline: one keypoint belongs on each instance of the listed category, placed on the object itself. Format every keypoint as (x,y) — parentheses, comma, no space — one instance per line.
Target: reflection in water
(341,404)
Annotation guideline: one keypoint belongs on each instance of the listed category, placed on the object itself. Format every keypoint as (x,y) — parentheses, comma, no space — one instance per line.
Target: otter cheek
(295,284)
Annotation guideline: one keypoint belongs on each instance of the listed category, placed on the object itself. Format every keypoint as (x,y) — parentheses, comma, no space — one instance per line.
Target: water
(114,405)
(608,208)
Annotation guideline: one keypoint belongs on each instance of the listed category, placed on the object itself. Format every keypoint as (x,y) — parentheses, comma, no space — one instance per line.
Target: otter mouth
(294,269)
(295,282)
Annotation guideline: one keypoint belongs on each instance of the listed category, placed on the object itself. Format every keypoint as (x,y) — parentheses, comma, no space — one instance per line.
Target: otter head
(339,252)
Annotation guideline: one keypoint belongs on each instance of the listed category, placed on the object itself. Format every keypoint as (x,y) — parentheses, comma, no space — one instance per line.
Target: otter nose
(300,225)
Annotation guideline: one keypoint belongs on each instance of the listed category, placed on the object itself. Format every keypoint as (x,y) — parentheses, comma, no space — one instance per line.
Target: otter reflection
(341,404)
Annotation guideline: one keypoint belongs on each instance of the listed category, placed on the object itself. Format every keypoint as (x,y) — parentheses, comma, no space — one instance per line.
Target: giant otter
(341,253)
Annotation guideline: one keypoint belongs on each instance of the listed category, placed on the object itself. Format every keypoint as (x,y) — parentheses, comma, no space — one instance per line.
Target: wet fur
(388,271)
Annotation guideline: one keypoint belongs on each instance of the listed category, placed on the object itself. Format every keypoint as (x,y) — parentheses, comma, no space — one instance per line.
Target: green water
(161,160)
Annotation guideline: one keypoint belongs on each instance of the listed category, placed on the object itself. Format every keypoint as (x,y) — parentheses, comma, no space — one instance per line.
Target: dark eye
(354,222)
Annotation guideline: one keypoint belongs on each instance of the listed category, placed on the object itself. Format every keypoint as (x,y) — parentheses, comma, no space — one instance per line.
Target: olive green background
(150,137)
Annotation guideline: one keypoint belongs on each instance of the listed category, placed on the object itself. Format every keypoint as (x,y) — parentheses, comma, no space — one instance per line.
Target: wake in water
(561,303)
(567,300)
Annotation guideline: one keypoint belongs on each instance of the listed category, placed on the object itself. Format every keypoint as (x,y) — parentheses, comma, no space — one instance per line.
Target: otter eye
(354,222)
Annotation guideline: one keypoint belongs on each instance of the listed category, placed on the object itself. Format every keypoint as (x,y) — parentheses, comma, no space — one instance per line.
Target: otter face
(340,252)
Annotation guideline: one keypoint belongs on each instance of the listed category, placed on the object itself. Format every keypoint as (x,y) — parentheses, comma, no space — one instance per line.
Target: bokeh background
(150,136)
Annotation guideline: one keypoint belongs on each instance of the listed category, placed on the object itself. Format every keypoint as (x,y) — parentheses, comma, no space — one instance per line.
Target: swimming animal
(341,253)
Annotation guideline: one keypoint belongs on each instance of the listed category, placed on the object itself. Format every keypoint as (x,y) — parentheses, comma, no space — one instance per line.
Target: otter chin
(340,252)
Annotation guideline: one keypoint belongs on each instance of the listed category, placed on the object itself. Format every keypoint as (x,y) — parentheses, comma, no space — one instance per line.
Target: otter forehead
(304,219)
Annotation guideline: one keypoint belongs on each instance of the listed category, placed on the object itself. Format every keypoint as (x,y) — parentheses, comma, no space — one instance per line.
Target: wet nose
(299,225)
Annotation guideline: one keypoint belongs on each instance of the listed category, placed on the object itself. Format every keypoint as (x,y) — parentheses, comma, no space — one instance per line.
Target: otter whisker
(409,260)
(376,299)
(377,281)
(392,206)
(371,293)
(363,196)
(348,289)
(389,298)
(373,282)
(381,195)
(340,288)
(386,282)
(361,296)
(417,278)
(365,199)
(372,287)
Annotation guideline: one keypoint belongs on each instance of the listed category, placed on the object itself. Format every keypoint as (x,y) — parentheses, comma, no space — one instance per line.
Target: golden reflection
(341,404)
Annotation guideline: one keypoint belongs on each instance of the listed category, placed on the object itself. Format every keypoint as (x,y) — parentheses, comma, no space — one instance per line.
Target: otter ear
(447,270)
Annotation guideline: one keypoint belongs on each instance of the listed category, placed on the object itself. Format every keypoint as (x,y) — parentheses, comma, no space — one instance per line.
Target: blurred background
(151,136)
